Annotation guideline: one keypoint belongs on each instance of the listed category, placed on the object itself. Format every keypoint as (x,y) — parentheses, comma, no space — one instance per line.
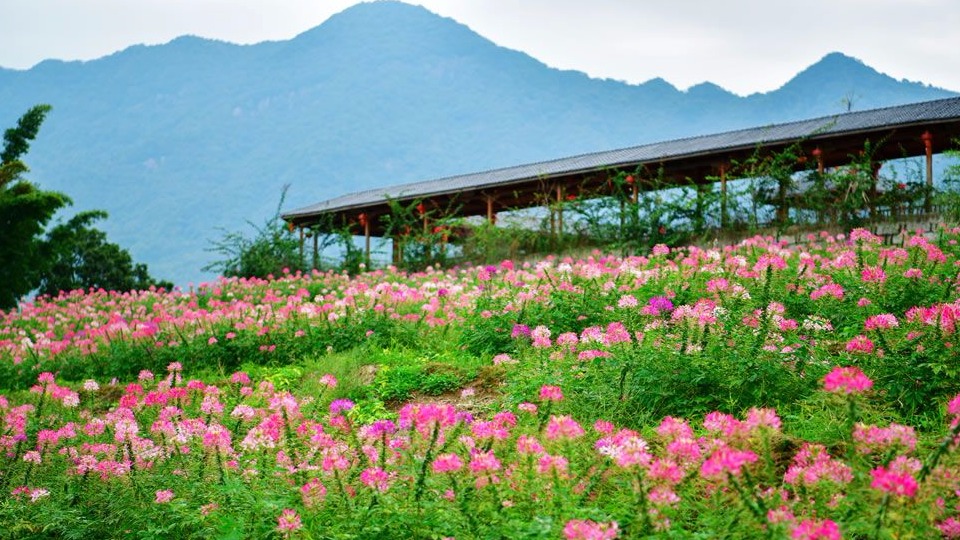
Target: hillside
(178,139)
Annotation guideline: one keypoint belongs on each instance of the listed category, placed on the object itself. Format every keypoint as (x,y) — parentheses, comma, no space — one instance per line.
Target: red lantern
(362,218)
(421,209)
(629,179)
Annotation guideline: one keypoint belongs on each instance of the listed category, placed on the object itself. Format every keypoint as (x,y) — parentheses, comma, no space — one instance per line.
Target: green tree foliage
(24,212)
(78,256)
(72,255)
(273,248)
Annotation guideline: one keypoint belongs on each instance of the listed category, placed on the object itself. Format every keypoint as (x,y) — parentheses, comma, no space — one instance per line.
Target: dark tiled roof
(847,123)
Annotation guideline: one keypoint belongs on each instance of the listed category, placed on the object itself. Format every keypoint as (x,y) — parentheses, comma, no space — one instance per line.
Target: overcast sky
(745,46)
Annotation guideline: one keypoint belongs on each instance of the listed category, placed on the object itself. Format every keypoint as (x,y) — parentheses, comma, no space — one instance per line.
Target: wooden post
(817,153)
(927,139)
(491,219)
(316,248)
(366,241)
(559,211)
(553,216)
(875,169)
(723,196)
(301,245)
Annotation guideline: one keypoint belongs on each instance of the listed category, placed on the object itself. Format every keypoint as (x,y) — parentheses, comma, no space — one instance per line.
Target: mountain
(179,139)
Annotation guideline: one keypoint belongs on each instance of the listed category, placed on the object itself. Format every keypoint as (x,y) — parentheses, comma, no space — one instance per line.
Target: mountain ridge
(176,140)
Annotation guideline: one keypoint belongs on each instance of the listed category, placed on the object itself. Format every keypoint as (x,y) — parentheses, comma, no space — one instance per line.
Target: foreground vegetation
(750,391)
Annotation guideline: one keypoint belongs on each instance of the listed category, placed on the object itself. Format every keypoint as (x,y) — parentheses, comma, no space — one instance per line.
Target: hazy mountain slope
(178,139)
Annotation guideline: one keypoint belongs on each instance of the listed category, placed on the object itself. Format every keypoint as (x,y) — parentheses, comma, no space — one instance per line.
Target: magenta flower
(726,460)
(483,462)
(811,529)
(550,393)
(446,463)
(846,380)
(894,482)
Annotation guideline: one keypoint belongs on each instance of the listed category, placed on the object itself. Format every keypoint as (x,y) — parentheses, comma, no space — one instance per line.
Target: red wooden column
(723,196)
(301,246)
(365,223)
(927,139)
(559,211)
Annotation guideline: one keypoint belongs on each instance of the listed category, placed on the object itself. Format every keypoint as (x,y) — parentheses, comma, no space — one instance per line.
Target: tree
(78,256)
(24,212)
(273,248)
(73,254)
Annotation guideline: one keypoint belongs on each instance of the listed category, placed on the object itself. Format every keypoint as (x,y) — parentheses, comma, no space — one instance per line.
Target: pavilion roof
(839,136)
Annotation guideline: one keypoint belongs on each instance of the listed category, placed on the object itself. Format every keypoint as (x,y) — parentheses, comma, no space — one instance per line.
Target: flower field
(748,391)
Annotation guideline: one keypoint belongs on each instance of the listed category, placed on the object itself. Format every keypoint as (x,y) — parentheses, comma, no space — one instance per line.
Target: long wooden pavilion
(918,129)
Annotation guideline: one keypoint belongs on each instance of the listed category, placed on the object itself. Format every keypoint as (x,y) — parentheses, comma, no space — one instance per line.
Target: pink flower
(288,521)
(873,439)
(329,381)
(767,260)
(846,380)
(313,492)
(830,289)
(375,478)
(503,358)
(551,393)
(445,463)
(812,464)
(541,337)
(950,528)
(548,463)
(883,321)
(726,460)
(481,462)
(894,482)
(863,235)
(585,529)
(873,274)
(661,249)
(164,496)
(563,427)
(860,344)
(811,529)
